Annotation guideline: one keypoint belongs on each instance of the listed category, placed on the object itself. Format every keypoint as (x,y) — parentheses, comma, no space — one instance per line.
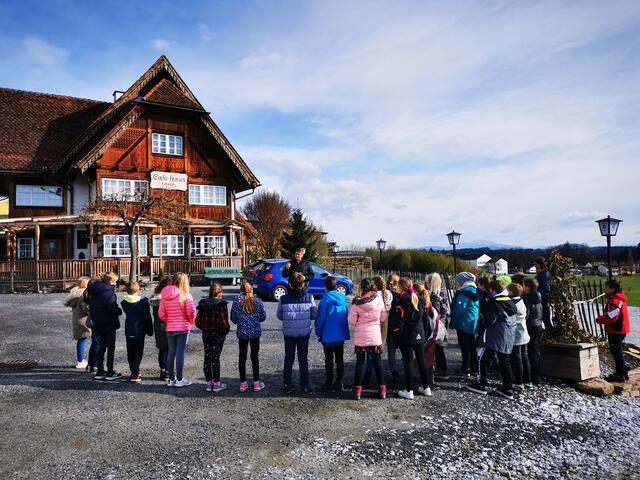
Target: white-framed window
(166,144)
(38,196)
(122,189)
(207,195)
(208,245)
(25,248)
(118,245)
(172,245)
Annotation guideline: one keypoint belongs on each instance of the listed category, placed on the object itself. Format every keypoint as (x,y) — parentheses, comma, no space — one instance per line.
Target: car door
(316,285)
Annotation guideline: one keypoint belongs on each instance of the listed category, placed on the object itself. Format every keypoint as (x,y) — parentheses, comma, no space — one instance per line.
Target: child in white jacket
(519,356)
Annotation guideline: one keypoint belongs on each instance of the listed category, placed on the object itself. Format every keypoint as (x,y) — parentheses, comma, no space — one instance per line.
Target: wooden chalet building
(59,154)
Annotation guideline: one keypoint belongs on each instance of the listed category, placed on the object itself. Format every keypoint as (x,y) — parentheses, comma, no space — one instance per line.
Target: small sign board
(221,272)
(169,181)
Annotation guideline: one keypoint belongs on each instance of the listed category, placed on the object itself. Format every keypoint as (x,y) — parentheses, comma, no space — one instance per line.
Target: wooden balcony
(35,274)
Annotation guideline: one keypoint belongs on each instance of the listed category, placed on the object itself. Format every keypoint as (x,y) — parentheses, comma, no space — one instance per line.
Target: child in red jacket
(616,322)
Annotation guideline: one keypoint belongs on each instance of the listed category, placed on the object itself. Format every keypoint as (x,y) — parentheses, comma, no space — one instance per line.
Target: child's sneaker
(477,387)
(529,386)
(113,376)
(218,386)
(244,386)
(136,378)
(338,388)
(288,389)
(306,391)
(519,387)
(100,375)
(82,365)
(210,386)
(258,385)
(171,383)
(425,391)
(90,369)
(182,383)
(164,375)
(504,393)
(406,394)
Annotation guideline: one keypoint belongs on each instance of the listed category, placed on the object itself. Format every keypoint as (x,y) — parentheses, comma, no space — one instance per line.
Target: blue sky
(517,122)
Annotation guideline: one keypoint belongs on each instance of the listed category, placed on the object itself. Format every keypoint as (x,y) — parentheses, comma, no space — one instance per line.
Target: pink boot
(382,391)
(357,392)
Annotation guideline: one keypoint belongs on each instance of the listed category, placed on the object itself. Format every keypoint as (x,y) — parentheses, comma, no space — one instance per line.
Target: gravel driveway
(59,423)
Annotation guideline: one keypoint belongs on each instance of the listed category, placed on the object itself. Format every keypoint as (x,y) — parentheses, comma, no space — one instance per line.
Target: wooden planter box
(570,361)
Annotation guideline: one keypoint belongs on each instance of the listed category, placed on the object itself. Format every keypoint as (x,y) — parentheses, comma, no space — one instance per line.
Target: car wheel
(278,291)
(342,289)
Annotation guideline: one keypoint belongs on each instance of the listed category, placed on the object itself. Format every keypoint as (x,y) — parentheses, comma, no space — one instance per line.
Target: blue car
(269,281)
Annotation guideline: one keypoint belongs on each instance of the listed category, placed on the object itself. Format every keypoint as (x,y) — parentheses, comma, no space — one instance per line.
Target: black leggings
(520,365)
(441,359)
(330,353)
(213,343)
(242,358)
(408,352)
(377,366)
(504,359)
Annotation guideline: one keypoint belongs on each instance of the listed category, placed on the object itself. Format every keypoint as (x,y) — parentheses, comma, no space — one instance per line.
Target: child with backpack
(392,287)
(616,324)
(160,333)
(433,283)
(178,313)
(519,355)
(296,310)
(464,318)
(367,314)
(213,319)
(137,324)
(535,326)
(248,313)
(432,330)
(332,329)
(500,323)
(79,314)
(104,312)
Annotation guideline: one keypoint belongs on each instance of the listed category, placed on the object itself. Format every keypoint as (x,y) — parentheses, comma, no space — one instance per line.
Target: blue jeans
(80,348)
(175,354)
(291,344)
(93,352)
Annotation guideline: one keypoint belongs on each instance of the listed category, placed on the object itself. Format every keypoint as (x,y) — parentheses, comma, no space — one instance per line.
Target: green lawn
(630,285)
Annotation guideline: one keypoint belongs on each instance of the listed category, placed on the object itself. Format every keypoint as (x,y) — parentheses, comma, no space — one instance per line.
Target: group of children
(497,320)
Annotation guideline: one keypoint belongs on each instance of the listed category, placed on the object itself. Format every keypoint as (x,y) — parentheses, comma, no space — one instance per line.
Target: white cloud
(160,44)
(43,53)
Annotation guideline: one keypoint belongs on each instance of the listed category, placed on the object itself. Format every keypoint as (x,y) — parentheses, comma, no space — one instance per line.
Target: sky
(510,121)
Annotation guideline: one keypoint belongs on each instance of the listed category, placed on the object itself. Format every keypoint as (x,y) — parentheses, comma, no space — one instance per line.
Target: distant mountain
(489,245)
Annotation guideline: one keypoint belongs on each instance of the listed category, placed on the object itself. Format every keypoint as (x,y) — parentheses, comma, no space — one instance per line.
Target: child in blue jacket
(138,323)
(464,318)
(332,329)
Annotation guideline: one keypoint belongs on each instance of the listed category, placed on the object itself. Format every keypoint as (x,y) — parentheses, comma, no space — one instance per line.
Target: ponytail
(248,302)
(381,286)
(407,285)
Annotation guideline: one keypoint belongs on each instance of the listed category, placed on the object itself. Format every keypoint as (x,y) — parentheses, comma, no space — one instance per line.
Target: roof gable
(166,93)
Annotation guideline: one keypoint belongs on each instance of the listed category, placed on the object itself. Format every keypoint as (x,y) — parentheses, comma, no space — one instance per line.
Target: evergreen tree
(301,233)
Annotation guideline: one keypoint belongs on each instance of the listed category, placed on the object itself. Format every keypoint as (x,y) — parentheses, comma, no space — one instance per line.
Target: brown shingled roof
(167,93)
(35,128)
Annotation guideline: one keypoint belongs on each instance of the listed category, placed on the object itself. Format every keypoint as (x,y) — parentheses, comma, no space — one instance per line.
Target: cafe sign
(169,181)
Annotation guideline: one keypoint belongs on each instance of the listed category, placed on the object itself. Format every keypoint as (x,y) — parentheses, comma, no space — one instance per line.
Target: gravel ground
(59,423)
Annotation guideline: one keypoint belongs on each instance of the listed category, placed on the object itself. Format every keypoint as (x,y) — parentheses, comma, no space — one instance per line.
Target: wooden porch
(37,274)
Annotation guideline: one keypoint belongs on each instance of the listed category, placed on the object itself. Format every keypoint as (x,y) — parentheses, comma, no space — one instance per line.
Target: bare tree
(269,213)
(140,207)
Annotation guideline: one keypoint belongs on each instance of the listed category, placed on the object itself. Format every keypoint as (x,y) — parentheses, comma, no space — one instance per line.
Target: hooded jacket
(178,317)
(465,309)
(79,313)
(103,308)
(616,319)
(500,323)
(138,322)
(366,315)
(249,324)
(213,315)
(411,321)
(522,334)
(332,327)
(533,302)
(297,309)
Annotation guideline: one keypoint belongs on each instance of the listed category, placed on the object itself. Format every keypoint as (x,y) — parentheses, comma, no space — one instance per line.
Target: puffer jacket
(138,321)
(522,334)
(412,330)
(533,302)
(177,317)
(159,328)
(103,308)
(500,324)
(296,310)
(366,315)
(616,319)
(465,309)
(249,324)
(332,327)
(79,313)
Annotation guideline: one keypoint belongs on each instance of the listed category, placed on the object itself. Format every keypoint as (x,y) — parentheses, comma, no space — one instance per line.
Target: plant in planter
(568,352)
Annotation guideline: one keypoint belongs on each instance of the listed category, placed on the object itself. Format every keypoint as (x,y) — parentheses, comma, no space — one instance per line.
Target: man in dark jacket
(104,311)
(299,265)
(535,326)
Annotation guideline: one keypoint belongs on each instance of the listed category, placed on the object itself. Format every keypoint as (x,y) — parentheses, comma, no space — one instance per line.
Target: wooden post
(37,256)
(91,250)
(12,263)
(160,249)
(188,247)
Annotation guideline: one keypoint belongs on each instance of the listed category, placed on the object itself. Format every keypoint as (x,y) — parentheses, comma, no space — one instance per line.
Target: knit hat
(465,277)
(505,279)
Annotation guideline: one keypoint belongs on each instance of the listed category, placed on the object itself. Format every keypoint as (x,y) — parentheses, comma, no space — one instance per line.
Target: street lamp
(454,239)
(381,244)
(608,228)
(334,250)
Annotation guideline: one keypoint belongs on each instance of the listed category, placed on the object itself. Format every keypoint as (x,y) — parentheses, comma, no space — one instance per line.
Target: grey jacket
(500,323)
(297,309)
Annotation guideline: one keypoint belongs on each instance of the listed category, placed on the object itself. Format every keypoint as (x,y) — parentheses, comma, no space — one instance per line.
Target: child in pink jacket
(366,315)
(178,313)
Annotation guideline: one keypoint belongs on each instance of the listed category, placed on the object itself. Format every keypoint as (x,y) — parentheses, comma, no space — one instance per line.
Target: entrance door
(50,248)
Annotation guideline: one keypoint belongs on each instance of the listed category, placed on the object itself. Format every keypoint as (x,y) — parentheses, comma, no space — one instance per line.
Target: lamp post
(381,244)
(334,250)
(608,228)
(454,239)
